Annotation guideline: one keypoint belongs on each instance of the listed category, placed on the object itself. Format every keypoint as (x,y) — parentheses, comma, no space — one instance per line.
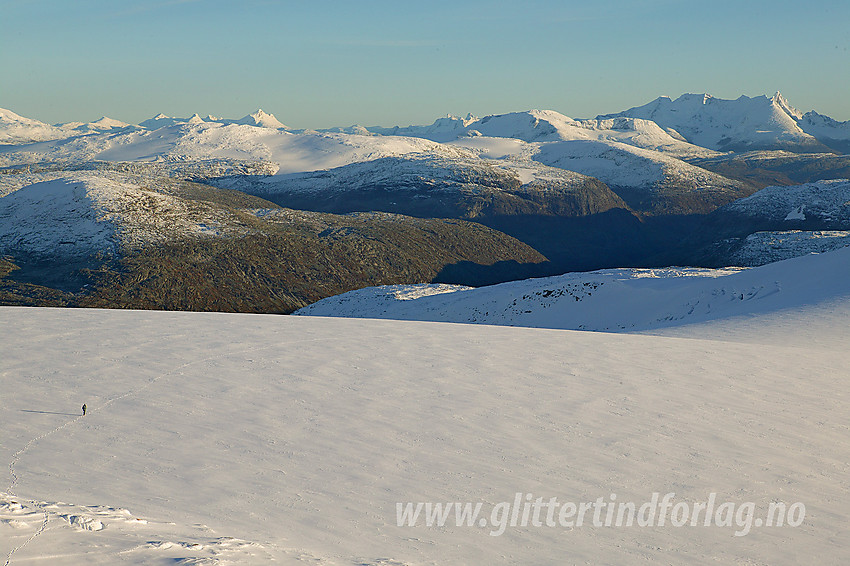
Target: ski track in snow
(43,507)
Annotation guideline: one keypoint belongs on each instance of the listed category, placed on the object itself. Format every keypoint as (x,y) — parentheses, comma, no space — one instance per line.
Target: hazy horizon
(380,63)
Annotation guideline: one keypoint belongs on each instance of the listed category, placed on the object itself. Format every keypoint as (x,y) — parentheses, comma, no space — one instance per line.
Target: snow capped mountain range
(531,175)
(259,118)
(18,129)
(690,125)
(548,126)
(645,147)
(742,124)
(165,139)
(623,152)
(15,129)
(104,124)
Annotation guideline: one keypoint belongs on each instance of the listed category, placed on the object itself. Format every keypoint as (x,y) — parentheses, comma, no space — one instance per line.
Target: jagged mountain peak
(781,102)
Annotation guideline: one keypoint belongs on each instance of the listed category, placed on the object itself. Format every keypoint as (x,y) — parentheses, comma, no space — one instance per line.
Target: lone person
(84,409)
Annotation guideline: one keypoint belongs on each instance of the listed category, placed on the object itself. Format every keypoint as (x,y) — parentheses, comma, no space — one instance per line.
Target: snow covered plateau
(235,438)
(245,439)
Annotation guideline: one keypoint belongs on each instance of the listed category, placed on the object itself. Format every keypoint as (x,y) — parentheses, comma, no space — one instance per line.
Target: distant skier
(84,409)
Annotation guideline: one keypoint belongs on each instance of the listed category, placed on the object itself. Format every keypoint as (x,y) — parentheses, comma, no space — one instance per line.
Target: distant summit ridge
(690,125)
(746,123)
(259,118)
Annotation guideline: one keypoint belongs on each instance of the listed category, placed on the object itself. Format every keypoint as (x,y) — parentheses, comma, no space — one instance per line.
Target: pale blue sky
(373,62)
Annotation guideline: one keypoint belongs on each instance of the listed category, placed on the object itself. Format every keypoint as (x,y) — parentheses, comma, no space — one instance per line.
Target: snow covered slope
(285,152)
(104,124)
(644,174)
(608,300)
(247,439)
(742,124)
(778,222)
(57,217)
(17,129)
(831,132)
(616,164)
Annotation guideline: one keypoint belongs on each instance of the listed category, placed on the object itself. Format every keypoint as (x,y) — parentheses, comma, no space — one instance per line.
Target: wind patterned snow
(245,439)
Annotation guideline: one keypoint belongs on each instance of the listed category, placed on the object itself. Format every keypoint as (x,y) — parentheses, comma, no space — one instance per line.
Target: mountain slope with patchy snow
(116,239)
(86,213)
(761,248)
(647,180)
(826,202)
(433,186)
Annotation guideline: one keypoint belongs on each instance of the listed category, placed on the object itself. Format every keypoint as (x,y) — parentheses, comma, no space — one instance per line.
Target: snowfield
(215,439)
